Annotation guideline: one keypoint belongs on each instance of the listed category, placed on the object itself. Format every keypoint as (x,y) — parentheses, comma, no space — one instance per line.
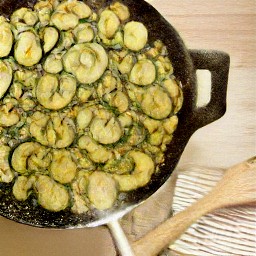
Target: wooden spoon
(237,187)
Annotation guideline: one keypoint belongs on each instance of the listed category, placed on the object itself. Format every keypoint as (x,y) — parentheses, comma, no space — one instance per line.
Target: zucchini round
(87,62)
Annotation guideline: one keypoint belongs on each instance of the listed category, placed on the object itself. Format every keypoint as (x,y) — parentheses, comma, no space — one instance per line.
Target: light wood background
(228,25)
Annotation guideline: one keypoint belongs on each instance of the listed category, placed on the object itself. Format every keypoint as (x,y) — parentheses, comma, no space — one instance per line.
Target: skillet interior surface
(30,213)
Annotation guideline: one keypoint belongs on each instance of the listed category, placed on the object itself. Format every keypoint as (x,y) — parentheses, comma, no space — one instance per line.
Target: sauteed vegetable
(87,105)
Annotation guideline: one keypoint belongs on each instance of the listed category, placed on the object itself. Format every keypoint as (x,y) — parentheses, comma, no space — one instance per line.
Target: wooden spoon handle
(169,231)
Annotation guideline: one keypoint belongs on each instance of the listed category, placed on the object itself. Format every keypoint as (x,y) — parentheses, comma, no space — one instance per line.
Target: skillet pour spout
(185,63)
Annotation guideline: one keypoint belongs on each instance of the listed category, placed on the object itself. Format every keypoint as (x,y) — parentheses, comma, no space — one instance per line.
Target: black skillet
(191,118)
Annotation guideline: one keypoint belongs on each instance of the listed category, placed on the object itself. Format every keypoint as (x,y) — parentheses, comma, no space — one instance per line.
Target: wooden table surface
(229,26)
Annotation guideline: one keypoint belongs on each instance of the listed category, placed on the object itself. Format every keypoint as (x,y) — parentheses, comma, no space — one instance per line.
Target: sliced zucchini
(27,78)
(151,125)
(27,104)
(108,23)
(170,124)
(84,33)
(6,39)
(22,187)
(23,16)
(6,174)
(175,93)
(16,90)
(106,131)
(5,77)
(55,92)
(144,168)
(40,161)
(66,41)
(30,18)
(156,138)
(120,10)
(137,135)
(126,65)
(164,67)
(79,190)
(143,73)
(156,103)
(81,9)
(116,42)
(64,21)
(135,35)
(102,190)
(108,84)
(53,64)
(67,14)
(51,195)
(118,100)
(53,130)
(96,152)
(44,10)
(84,118)
(21,155)
(84,94)
(9,116)
(125,119)
(86,61)
(63,168)
(50,38)
(28,51)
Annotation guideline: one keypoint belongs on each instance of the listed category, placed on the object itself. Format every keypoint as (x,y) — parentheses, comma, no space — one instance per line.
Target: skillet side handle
(218,63)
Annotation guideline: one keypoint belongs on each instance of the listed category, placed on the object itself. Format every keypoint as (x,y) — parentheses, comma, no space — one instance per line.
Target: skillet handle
(217,63)
(120,239)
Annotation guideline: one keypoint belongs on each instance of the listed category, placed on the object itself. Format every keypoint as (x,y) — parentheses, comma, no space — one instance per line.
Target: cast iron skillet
(191,118)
